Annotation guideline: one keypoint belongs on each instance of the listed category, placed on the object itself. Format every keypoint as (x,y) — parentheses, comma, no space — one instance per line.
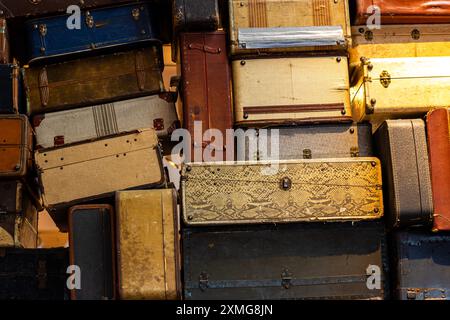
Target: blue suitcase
(12,97)
(51,37)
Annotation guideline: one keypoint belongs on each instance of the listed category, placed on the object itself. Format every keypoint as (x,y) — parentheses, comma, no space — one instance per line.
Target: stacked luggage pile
(338,189)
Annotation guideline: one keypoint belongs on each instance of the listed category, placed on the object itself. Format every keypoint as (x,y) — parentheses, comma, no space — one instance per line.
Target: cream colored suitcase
(395,41)
(399,87)
(72,174)
(261,26)
(291,90)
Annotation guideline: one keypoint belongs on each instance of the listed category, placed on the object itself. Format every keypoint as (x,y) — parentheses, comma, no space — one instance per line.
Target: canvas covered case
(291,90)
(76,173)
(308,142)
(281,191)
(16,145)
(402,148)
(386,88)
(70,126)
(438,135)
(195,15)
(33,274)
(267,26)
(148,245)
(11,82)
(130,24)
(206,86)
(92,248)
(294,261)
(4,42)
(403,11)
(94,80)
(398,41)
(421,265)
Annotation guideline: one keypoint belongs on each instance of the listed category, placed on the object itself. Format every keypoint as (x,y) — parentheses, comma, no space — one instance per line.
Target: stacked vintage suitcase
(297,210)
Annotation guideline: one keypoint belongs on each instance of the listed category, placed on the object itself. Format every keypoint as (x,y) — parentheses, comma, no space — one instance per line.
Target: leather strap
(43,87)
(140,69)
(204,48)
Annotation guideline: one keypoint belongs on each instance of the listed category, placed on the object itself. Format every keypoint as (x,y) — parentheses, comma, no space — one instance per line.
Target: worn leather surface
(405,11)
(438,132)
(327,190)
(148,245)
(295,261)
(402,148)
(195,15)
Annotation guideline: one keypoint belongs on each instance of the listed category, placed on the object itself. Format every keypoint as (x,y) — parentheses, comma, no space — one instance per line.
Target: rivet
(190,217)
(243,63)
(376,210)
(373,101)
(352,130)
(343,112)
(373,163)
(188,168)
(338,59)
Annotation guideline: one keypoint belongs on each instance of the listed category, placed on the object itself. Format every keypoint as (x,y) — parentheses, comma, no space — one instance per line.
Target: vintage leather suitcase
(12,97)
(33,274)
(50,37)
(295,261)
(206,85)
(266,26)
(20,229)
(438,135)
(148,245)
(402,148)
(16,145)
(65,127)
(403,11)
(422,265)
(4,42)
(291,90)
(309,142)
(398,41)
(121,162)
(284,191)
(389,88)
(95,80)
(92,248)
(195,15)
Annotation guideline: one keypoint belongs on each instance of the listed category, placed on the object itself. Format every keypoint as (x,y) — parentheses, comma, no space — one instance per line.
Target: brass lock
(415,34)
(368,35)
(43,29)
(385,79)
(285,183)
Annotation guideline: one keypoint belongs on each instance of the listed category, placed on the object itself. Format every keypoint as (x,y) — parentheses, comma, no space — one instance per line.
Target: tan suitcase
(291,90)
(388,88)
(72,174)
(148,245)
(262,26)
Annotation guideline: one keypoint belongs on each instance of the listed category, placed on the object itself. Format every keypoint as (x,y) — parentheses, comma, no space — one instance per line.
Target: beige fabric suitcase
(291,90)
(261,26)
(148,245)
(75,173)
(388,88)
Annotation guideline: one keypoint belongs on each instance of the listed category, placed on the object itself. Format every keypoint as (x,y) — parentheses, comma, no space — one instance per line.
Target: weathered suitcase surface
(291,90)
(206,85)
(402,148)
(11,82)
(91,243)
(261,26)
(95,80)
(20,229)
(387,88)
(438,133)
(65,127)
(16,144)
(148,245)
(309,142)
(395,41)
(33,274)
(284,191)
(4,42)
(106,27)
(295,261)
(11,196)
(122,162)
(422,263)
(195,15)
(13,8)
(403,11)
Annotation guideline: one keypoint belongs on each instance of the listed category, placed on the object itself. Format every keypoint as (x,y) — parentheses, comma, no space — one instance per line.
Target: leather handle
(207,49)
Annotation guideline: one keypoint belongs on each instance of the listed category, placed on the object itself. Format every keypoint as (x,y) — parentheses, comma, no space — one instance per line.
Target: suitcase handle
(207,49)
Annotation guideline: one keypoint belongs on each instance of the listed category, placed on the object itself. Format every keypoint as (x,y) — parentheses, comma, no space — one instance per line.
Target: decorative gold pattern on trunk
(299,191)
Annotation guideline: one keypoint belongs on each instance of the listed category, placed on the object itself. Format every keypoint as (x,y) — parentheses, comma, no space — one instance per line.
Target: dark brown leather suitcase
(91,243)
(438,132)
(403,11)
(206,87)
(401,146)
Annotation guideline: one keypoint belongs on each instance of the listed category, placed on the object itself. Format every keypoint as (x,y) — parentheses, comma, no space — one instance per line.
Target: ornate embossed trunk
(286,191)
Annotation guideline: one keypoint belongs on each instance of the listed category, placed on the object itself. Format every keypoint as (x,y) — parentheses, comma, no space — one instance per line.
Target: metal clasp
(286,279)
(307,154)
(136,13)
(203,281)
(354,152)
(89,20)
(285,183)
(385,79)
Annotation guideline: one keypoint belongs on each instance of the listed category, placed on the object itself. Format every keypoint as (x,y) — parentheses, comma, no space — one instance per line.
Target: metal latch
(89,20)
(42,274)
(136,13)
(43,29)
(385,79)
(354,152)
(415,34)
(307,154)
(286,279)
(203,281)
(285,183)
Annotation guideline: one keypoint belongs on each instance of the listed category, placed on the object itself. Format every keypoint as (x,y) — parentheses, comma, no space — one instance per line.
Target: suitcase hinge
(354,152)
(207,49)
(203,281)
(307,154)
(43,87)
(42,274)
(385,79)
(140,69)
(286,279)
